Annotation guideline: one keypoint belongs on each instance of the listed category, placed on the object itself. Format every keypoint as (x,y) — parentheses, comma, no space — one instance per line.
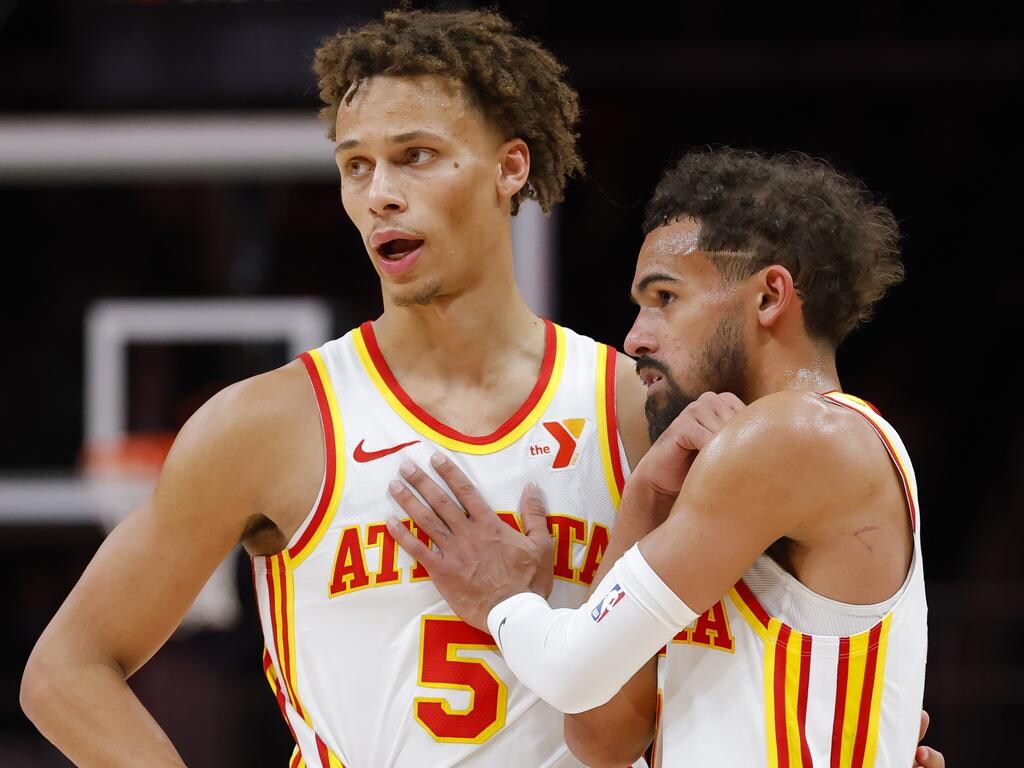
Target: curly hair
(840,245)
(516,84)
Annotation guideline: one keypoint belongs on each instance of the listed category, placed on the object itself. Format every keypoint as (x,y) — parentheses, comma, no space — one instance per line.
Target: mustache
(653,364)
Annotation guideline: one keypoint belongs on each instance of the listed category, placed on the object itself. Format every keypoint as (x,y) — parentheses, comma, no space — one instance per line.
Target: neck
(807,367)
(465,335)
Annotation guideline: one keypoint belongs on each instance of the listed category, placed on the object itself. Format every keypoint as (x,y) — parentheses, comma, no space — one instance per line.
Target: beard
(420,297)
(720,368)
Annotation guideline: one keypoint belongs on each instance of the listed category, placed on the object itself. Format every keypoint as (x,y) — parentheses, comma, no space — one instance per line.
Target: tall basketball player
(779,561)
(443,124)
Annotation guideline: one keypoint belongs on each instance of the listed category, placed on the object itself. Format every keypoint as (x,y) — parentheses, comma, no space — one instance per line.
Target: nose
(385,192)
(640,340)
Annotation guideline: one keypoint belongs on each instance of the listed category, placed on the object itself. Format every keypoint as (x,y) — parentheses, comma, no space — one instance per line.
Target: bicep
(138,587)
(148,571)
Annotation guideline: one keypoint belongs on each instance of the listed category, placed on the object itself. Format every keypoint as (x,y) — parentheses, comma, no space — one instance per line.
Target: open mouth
(394,250)
(650,376)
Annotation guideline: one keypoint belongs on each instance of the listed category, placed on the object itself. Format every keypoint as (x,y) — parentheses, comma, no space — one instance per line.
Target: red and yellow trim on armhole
(515,427)
(607,426)
(280,567)
(835,394)
(334,469)
(750,608)
(787,668)
(860,676)
(871,414)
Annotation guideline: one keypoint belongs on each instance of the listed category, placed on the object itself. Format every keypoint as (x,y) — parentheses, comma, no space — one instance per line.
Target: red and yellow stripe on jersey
(280,567)
(859,696)
(606,424)
(859,671)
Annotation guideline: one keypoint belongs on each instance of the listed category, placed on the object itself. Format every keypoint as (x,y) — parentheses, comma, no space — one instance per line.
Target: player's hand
(665,466)
(926,757)
(479,559)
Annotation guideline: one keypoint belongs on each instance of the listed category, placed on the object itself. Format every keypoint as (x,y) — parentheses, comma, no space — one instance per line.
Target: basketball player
(443,124)
(779,560)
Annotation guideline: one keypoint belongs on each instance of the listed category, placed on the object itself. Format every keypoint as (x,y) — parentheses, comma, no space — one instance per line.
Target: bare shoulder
(254,414)
(795,423)
(630,397)
(247,442)
(796,446)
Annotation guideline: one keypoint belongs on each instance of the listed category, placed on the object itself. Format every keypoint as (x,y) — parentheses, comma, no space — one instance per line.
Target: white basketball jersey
(744,686)
(369,665)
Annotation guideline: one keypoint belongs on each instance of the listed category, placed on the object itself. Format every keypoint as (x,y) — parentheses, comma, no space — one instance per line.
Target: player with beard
(779,560)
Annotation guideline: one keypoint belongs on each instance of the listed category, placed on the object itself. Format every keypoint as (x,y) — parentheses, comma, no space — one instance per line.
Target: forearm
(579,659)
(641,510)
(617,733)
(91,715)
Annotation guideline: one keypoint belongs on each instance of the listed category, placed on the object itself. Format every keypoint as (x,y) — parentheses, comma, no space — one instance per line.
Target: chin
(417,295)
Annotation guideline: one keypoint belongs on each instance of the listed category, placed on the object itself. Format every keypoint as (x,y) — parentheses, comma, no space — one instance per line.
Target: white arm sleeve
(578,659)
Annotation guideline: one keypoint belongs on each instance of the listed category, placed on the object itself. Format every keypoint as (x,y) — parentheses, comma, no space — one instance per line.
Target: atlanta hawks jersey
(368,663)
(750,682)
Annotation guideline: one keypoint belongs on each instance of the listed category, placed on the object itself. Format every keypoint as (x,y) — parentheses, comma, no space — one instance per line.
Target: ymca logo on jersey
(610,600)
(567,434)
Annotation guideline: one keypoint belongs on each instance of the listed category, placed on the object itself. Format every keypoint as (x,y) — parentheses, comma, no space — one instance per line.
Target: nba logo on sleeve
(610,600)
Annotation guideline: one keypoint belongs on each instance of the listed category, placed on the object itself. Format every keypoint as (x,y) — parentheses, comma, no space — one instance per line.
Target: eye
(666,298)
(419,156)
(357,168)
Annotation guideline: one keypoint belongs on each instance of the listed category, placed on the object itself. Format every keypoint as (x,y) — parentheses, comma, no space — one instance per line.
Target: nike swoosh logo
(363,456)
(502,624)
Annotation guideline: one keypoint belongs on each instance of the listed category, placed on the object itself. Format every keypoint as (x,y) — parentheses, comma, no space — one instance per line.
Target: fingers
(704,417)
(925,757)
(533,512)
(436,498)
(426,519)
(693,435)
(419,551)
(730,403)
(469,497)
(714,409)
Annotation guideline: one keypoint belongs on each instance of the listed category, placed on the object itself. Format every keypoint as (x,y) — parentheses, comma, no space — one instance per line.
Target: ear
(777,296)
(513,167)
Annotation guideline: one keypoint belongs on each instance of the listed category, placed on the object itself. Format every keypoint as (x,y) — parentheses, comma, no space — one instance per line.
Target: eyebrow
(646,280)
(400,138)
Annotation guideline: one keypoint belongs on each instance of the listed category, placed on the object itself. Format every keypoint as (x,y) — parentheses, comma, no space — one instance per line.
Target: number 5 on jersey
(440,666)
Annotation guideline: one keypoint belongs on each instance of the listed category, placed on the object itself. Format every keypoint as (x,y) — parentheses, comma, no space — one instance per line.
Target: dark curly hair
(840,245)
(517,85)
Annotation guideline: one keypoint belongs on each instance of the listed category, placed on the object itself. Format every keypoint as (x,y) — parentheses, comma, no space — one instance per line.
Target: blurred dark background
(920,101)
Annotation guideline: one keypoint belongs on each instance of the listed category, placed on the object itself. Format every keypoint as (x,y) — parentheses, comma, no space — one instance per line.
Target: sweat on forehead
(677,238)
(670,243)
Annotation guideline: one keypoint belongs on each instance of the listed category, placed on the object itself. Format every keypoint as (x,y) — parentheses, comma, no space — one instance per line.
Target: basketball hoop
(122,473)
